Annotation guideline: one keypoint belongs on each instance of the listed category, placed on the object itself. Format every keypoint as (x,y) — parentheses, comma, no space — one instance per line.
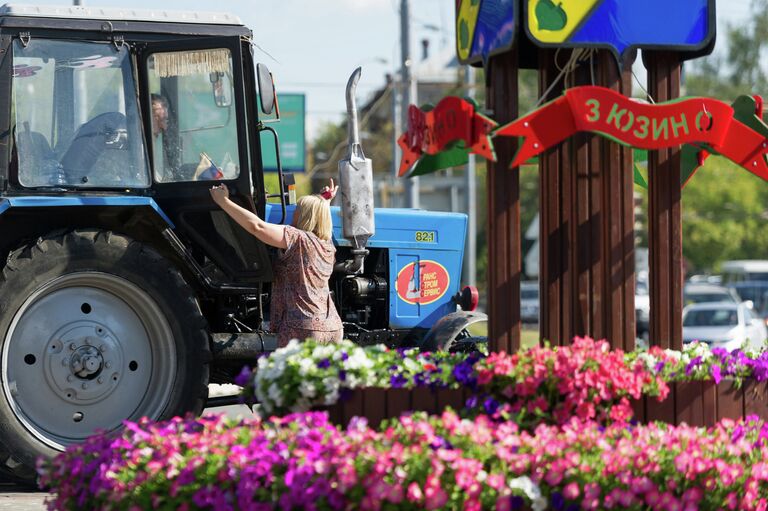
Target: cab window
(193,122)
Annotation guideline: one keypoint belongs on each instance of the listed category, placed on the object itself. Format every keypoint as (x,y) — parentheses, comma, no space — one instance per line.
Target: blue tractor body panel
(425,257)
(38,201)
(425,250)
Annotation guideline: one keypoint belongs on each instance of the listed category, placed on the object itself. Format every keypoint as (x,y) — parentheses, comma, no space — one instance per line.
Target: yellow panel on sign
(554,23)
(466,20)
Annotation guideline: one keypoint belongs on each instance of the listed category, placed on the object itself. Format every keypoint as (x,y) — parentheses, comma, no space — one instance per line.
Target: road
(15,498)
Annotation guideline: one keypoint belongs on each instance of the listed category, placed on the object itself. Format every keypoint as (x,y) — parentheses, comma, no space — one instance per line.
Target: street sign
(290,131)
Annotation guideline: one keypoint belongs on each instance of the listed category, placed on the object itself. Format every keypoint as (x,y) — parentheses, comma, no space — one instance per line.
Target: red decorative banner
(705,122)
(452,119)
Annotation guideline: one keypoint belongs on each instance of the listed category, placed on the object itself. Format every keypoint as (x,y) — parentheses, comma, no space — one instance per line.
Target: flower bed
(416,462)
(543,384)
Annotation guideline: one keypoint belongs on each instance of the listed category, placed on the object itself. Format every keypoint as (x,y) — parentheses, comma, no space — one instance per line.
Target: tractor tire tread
(157,269)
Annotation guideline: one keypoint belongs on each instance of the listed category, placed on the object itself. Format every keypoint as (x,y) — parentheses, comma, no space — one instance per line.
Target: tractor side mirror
(221,86)
(266,89)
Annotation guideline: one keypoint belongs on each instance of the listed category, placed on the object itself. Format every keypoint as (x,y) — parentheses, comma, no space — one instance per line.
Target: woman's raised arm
(271,234)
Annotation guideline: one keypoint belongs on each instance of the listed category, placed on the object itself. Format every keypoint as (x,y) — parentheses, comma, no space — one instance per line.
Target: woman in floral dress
(301,304)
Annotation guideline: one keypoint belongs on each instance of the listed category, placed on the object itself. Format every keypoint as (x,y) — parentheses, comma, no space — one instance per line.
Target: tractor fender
(444,333)
(11,203)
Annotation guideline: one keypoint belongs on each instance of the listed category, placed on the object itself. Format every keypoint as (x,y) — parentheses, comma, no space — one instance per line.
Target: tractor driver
(159,127)
(164,170)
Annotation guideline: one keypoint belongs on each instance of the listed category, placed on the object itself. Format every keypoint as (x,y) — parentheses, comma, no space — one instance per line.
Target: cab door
(194,102)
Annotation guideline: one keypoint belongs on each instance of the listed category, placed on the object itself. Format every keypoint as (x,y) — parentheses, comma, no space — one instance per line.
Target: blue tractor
(125,290)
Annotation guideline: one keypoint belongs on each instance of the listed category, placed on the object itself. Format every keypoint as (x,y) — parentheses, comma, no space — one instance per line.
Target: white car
(724,325)
(529,302)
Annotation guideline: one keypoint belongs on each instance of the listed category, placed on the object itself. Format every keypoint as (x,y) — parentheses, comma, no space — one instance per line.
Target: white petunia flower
(531,490)
(307,366)
(307,389)
(275,394)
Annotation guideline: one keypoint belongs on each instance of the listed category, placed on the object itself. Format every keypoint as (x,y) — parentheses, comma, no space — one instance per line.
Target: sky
(313,46)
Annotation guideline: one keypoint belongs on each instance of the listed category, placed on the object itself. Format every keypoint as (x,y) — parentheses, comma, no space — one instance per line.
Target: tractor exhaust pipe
(356,185)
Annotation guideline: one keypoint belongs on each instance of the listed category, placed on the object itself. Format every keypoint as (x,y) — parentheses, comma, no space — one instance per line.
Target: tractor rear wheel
(95,328)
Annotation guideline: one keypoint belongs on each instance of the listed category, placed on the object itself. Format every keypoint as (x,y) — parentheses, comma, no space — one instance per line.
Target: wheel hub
(85,352)
(80,361)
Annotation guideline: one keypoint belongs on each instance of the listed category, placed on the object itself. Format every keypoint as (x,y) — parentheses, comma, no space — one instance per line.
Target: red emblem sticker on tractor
(423,282)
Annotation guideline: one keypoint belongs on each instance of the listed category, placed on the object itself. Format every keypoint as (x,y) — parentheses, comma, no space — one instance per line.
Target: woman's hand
(329,192)
(219,193)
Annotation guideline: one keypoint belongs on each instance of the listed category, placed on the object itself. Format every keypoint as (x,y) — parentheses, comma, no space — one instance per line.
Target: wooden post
(503,185)
(665,231)
(586,221)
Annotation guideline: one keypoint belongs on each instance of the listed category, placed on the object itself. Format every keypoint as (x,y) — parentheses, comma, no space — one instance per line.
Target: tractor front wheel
(95,328)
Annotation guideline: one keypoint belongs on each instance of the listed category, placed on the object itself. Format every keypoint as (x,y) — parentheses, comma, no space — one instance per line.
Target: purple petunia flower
(715,371)
(490,405)
(692,365)
(324,364)
(558,501)
(516,502)
(397,381)
(244,377)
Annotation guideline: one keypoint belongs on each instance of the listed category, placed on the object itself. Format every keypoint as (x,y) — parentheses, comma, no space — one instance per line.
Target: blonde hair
(313,214)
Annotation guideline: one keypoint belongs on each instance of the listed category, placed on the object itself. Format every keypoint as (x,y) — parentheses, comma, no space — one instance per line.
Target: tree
(724,206)
(742,71)
(724,216)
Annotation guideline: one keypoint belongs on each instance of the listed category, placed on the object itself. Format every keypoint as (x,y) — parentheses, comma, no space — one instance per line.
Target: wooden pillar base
(665,231)
(503,184)
(586,222)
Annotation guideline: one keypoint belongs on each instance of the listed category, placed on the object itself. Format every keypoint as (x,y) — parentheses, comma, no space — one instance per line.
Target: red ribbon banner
(697,121)
(451,120)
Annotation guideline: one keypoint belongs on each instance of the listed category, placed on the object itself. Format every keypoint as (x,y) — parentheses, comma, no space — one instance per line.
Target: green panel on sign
(451,157)
(290,131)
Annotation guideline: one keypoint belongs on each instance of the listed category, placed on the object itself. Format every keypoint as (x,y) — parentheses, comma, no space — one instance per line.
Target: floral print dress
(301,304)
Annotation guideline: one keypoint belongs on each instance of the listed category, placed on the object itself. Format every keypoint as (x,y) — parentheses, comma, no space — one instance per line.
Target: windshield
(76,120)
(711,317)
(708,297)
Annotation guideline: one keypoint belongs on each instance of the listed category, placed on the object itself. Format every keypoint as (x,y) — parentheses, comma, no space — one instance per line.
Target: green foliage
(724,213)
(740,70)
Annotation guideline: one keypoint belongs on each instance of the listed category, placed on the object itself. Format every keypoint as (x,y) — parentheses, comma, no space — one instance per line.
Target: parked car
(724,324)
(642,310)
(529,302)
(755,291)
(702,293)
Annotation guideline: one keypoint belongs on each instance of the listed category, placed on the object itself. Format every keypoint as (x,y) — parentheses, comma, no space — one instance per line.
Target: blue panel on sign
(679,25)
(484,28)
(622,24)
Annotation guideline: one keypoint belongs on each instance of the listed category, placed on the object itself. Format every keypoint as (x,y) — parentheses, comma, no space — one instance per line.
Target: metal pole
(470,265)
(409,93)
(396,123)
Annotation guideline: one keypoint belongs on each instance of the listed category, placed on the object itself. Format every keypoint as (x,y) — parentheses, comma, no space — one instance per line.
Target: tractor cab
(110,102)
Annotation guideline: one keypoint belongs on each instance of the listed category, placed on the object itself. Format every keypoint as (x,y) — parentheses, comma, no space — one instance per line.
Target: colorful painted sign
(422,283)
(682,25)
(708,124)
(484,28)
(453,125)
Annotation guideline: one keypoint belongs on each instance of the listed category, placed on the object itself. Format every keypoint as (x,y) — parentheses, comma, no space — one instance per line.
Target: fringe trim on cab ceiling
(186,63)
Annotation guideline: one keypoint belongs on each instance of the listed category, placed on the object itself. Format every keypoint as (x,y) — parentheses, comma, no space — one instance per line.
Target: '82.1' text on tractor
(125,290)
